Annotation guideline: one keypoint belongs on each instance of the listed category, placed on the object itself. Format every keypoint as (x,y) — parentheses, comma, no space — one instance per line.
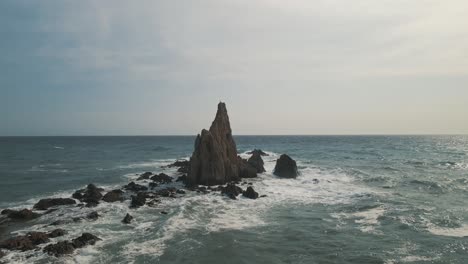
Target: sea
(358,199)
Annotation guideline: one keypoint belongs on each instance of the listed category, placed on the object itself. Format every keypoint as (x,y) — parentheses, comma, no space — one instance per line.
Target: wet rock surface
(132,186)
(286,167)
(250,193)
(45,204)
(145,176)
(257,152)
(127,219)
(162,178)
(113,196)
(231,190)
(23,214)
(256,161)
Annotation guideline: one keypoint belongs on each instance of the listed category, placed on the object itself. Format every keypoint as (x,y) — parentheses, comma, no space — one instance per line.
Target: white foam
(452,232)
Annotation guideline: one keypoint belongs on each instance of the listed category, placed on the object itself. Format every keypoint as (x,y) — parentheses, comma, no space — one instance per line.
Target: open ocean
(358,199)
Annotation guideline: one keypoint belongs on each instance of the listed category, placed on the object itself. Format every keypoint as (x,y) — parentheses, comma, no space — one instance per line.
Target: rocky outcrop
(23,214)
(30,240)
(257,162)
(132,186)
(231,191)
(162,178)
(250,193)
(45,204)
(214,160)
(246,170)
(68,247)
(145,176)
(127,219)
(184,166)
(257,151)
(286,167)
(113,196)
(91,194)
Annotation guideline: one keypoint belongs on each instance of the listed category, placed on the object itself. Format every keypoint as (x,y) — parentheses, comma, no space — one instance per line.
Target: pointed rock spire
(214,160)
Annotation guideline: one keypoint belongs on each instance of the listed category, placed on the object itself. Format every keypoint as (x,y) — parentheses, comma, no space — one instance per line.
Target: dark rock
(250,193)
(93,215)
(286,167)
(91,194)
(184,166)
(45,204)
(145,176)
(180,191)
(113,196)
(263,195)
(153,185)
(315,181)
(162,178)
(214,160)
(132,186)
(138,200)
(57,233)
(84,240)
(164,212)
(231,190)
(38,237)
(246,170)
(127,219)
(23,214)
(6,211)
(257,162)
(92,204)
(257,151)
(59,249)
(182,179)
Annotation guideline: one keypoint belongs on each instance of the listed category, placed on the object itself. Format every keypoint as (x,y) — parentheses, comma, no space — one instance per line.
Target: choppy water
(379,199)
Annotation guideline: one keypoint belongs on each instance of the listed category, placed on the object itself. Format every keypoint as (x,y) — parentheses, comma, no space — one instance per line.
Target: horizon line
(244,135)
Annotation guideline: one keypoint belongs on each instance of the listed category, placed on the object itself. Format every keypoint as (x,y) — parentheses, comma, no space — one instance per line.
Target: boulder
(113,196)
(57,233)
(138,200)
(250,193)
(93,215)
(45,204)
(91,194)
(145,176)
(214,160)
(286,167)
(23,214)
(162,178)
(38,237)
(231,190)
(184,166)
(257,151)
(246,170)
(257,162)
(59,249)
(22,243)
(127,219)
(84,240)
(132,186)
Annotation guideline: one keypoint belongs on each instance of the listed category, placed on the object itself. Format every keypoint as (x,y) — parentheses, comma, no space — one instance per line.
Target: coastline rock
(286,167)
(145,176)
(57,233)
(113,196)
(250,193)
(214,160)
(138,200)
(162,178)
(23,214)
(132,186)
(231,190)
(184,166)
(257,151)
(59,249)
(22,243)
(84,240)
(246,169)
(91,194)
(257,162)
(45,204)
(127,219)
(93,215)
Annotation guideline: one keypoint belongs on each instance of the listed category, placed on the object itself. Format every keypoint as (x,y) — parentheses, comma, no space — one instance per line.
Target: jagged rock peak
(214,160)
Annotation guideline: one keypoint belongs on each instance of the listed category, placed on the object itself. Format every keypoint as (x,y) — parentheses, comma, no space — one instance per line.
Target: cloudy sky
(283,67)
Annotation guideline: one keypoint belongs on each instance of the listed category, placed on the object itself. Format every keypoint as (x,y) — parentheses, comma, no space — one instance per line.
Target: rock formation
(214,160)
(286,167)
(257,162)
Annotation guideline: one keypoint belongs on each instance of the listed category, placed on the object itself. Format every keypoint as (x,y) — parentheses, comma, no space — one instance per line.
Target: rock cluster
(30,240)
(67,247)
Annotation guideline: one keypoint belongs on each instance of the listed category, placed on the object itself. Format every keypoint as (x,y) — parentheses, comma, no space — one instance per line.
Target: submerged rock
(162,178)
(84,240)
(132,186)
(257,162)
(127,219)
(250,193)
(257,152)
(57,233)
(214,160)
(59,249)
(23,214)
(286,167)
(45,204)
(145,176)
(231,190)
(113,196)
(93,215)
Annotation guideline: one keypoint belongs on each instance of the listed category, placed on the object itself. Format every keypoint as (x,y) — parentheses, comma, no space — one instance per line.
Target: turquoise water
(379,199)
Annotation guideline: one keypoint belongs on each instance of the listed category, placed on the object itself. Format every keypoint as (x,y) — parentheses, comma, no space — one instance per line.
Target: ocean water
(358,199)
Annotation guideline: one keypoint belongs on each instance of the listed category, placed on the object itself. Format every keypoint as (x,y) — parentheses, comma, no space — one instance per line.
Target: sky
(115,67)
